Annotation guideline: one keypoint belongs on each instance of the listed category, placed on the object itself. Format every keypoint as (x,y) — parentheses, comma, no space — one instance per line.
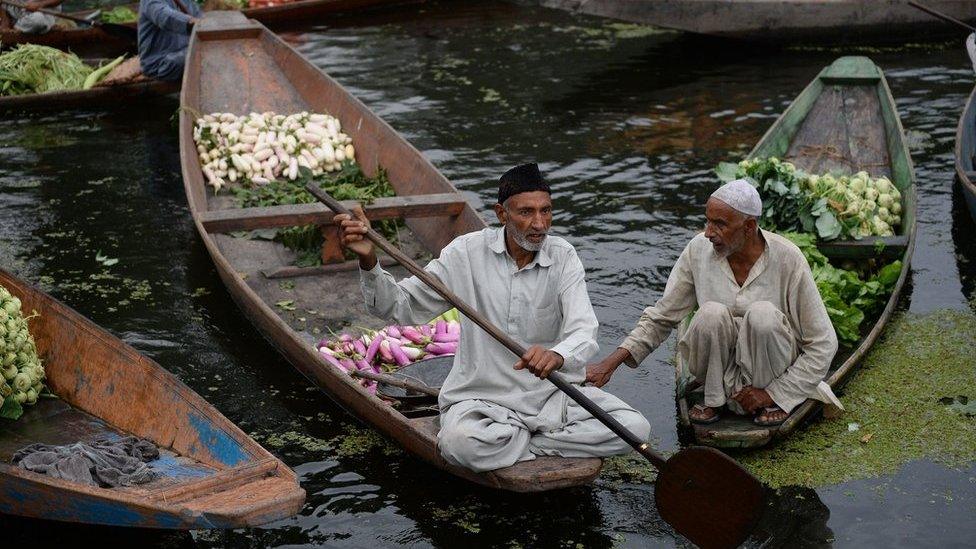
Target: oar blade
(709,498)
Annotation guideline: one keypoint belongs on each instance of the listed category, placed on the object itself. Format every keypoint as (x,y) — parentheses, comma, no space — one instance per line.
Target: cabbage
(21,372)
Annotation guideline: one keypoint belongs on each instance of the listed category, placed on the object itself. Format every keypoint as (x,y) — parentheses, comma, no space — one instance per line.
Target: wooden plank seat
(270,217)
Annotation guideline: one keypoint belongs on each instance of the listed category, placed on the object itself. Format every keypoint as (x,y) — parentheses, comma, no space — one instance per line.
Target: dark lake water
(627,125)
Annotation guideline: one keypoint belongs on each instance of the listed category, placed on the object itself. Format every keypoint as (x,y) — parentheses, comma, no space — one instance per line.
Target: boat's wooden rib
(94,40)
(236,65)
(397,207)
(966,153)
(845,121)
(785,21)
(212,475)
(94,97)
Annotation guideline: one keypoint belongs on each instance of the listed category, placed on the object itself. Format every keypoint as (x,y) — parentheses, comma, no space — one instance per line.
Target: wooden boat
(807,21)
(92,40)
(212,475)
(227,46)
(96,96)
(845,121)
(966,154)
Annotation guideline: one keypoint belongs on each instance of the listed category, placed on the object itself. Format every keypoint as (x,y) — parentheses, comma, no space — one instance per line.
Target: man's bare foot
(703,414)
(769,417)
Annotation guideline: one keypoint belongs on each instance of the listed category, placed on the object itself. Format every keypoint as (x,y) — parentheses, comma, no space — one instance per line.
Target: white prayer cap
(741,196)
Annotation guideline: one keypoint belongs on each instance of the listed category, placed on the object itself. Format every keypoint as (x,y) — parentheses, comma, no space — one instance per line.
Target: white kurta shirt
(544,303)
(780,276)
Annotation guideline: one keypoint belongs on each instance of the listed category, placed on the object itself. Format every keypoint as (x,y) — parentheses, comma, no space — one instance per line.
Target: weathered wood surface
(93,39)
(784,21)
(250,69)
(966,153)
(840,124)
(396,207)
(96,96)
(107,388)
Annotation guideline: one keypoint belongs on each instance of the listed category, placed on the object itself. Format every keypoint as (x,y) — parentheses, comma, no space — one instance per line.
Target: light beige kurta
(782,278)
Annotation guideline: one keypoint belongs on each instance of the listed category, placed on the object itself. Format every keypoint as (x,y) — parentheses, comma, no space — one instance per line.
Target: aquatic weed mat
(908,401)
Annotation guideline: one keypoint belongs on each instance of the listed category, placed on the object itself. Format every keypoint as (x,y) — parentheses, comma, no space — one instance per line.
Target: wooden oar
(940,15)
(121,31)
(396,382)
(704,494)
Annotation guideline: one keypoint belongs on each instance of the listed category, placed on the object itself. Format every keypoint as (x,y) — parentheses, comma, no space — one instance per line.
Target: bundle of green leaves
(350,183)
(848,295)
(830,206)
(22,376)
(30,68)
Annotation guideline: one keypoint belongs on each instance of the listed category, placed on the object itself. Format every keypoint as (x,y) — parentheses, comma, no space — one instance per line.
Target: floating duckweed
(632,468)
(357,442)
(896,399)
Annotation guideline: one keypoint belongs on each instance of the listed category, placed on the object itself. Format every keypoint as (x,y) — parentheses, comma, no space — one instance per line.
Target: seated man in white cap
(761,341)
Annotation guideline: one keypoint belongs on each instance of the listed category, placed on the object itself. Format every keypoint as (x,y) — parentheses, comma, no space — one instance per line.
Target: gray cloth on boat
(971,49)
(29,22)
(103,463)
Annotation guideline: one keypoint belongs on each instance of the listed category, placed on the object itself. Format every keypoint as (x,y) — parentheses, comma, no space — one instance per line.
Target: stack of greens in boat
(807,208)
(23,375)
(267,159)
(30,68)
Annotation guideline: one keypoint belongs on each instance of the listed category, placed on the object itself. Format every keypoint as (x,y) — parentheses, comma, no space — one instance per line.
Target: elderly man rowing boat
(532,286)
(761,341)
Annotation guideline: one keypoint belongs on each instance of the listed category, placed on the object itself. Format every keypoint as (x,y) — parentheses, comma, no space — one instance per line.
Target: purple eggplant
(440,327)
(412,353)
(454,327)
(426,329)
(413,335)
(326,351)
(374,346)
(349,365)
(363,365)
(394,331)
(446,338)
(359,347)
(398,355)
(441,349)
(385,351)
(345,338)
(334,361)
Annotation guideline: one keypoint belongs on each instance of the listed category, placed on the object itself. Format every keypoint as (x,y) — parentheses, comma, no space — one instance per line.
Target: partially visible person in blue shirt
(164,33)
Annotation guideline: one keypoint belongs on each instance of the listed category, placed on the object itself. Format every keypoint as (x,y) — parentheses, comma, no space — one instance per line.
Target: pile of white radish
(258,148)
(391,348)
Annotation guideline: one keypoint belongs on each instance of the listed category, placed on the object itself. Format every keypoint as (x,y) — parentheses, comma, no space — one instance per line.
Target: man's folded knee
(762,316)
(636,423)
(711,314)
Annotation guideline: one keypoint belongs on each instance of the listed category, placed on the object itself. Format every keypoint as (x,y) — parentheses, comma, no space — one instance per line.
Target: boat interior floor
(53,421)
(841,134)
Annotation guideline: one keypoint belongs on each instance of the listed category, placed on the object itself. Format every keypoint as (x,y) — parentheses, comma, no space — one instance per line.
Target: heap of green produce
(23,375)
(349,183)
(29,69)
(848,295)
(120,15)
(830,206)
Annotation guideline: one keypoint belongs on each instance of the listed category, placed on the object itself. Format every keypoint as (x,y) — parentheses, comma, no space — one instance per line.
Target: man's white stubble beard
(524,242)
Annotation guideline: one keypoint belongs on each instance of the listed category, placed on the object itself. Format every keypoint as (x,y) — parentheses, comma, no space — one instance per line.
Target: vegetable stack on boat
(835,177)
(209,474)
(41,77)
(247,92)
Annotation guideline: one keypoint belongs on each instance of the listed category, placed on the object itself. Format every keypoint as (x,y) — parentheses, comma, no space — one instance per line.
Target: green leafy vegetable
(30,68)
(350,183)
(21,372)
(120,14)
(848,297)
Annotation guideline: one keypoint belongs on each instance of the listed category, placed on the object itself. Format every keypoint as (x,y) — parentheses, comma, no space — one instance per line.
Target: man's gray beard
(523,241)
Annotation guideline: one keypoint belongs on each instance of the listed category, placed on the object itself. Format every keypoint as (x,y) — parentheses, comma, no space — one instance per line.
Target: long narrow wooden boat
(212,475)
(807,21)
(966,153)
(845,121)
(94,97)
(93,40)
(236,65)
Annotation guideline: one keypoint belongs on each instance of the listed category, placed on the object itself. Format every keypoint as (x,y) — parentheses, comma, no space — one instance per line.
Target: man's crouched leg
(586,436)
(706,348)
(482,436)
